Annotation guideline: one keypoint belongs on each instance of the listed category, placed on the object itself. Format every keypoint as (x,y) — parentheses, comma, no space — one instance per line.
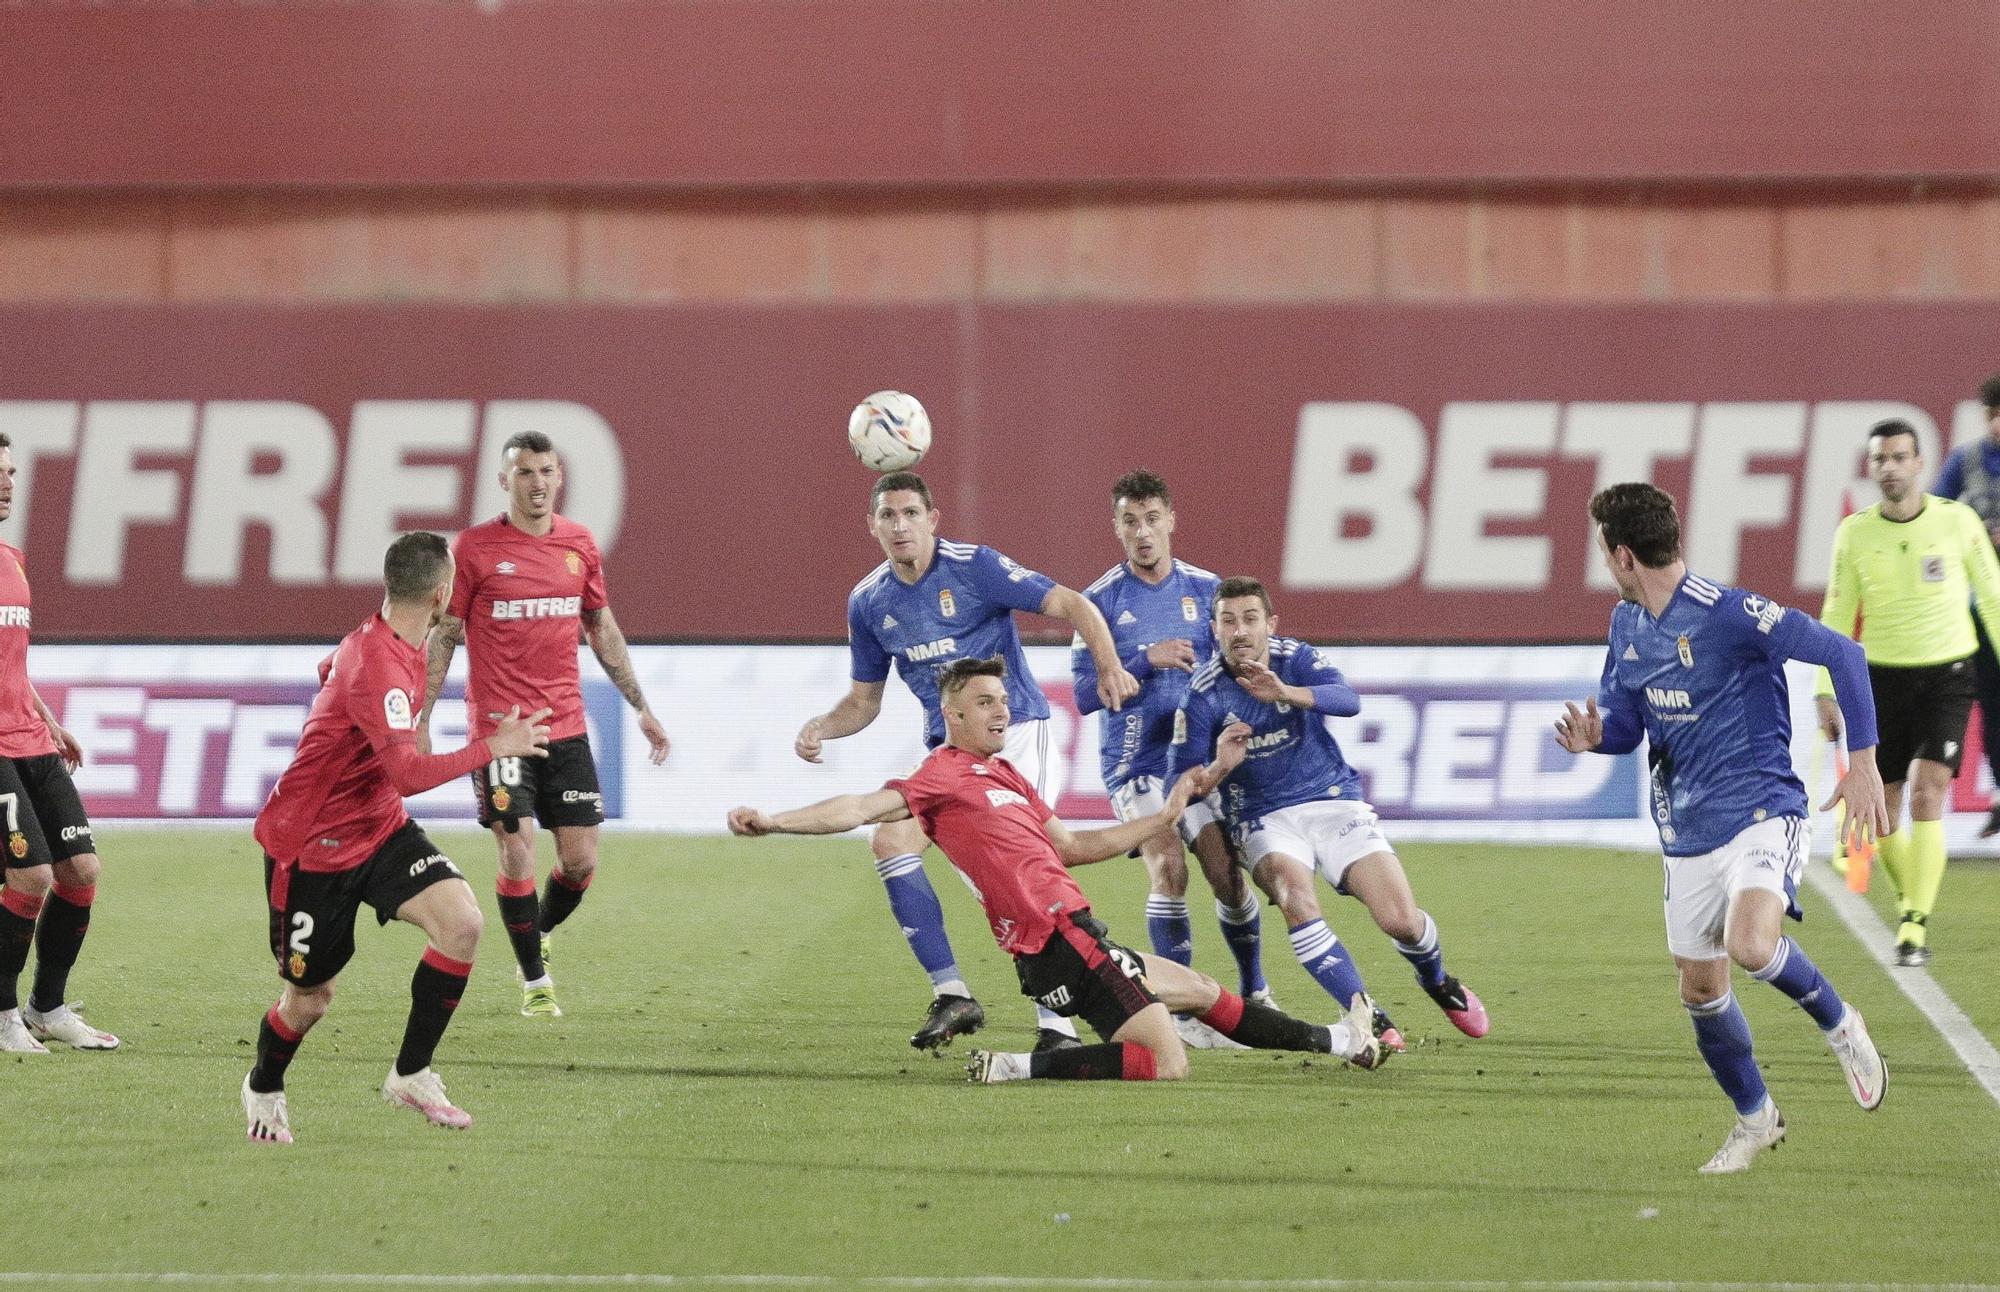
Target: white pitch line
(1027,1283)
(1966,1041)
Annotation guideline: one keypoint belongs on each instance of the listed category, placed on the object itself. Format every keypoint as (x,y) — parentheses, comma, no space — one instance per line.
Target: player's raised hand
(750,823)
(1580,730)
(1260,682)
(1175,652)
(1232,747)
(807,744)
(1115,686)
(656,736)
(1829,716)
(1191,786)
(519,737)
(1867,808)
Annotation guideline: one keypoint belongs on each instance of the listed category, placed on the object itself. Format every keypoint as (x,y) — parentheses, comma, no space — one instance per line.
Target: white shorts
(1143,795)
(1770,855)
(1329,835)
(1027,748)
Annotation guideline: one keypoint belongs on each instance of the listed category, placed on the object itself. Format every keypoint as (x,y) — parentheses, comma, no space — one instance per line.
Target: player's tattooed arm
(445,637)
(607,642)
(829,816)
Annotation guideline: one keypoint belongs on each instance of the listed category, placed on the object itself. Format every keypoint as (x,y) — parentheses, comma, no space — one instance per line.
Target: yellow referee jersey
(1910,582)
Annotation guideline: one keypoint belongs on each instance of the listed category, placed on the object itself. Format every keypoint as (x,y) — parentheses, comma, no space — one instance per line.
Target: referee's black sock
(520,914)
(1110,1061)
(17,933)
(561,896)
(65,919)
(434,993)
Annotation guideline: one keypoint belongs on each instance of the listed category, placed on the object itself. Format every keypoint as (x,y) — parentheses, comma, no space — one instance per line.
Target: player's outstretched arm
(412,771)
(1082,847)
(1115,684)
(829,816)
(444,639)
(607,642)
(854,711)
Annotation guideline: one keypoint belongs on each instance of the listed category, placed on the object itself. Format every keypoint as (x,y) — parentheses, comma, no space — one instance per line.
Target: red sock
(1139,1064)
(1225,1013)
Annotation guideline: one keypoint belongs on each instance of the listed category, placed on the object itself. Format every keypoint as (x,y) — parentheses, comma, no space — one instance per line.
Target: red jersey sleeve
(595,595)
(464,581)
(375,701)
(921,788)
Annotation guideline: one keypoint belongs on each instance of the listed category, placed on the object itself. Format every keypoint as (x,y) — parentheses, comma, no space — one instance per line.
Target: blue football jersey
(962,607)
(1707,679)
(1293,757)
(1135,738)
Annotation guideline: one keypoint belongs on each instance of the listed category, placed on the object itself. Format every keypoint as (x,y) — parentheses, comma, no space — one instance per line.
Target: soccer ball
(889,430)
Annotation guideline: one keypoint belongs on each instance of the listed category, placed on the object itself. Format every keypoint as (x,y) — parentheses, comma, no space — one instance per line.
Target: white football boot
(66,1025)
(1748,1137)
(1867,1075)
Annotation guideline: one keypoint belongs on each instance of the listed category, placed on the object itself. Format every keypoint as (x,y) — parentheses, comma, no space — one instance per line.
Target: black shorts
(1921,713)
(44,817)
(312,912)
(559,790)
(1082,973)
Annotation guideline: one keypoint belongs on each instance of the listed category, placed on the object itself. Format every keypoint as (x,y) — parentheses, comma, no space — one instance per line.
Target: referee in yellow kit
(1906,566)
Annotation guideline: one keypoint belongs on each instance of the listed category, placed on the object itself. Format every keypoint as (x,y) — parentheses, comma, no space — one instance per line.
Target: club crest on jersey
(1189,610)
(946,606)
(1686,651)
(296,965)
(502,800)
(17,843)
(572,562)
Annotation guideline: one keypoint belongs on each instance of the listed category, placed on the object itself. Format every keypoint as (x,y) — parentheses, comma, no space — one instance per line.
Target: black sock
(64,922)
(1262,1028)
(17,934)
(1110,1061)
(276,1044)
(520,914)
(434,992)
(560,896)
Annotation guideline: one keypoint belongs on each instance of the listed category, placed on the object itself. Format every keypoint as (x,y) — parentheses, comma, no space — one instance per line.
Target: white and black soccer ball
(890,431)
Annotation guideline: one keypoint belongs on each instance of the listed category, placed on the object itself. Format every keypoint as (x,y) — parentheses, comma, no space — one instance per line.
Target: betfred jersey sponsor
(23,734)
(521,597)
(987,820)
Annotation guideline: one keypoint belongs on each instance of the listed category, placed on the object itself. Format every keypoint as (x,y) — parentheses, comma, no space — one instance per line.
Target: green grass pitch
(731,1094)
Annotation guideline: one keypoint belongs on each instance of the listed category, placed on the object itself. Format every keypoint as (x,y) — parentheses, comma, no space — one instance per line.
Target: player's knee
(1927,801)
(304,1006)
(578,858)
(1401,921)
(80,871)
(1169,874)
(35,881)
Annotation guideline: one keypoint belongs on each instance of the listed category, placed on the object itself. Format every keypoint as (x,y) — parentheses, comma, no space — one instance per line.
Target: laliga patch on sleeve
(396,709)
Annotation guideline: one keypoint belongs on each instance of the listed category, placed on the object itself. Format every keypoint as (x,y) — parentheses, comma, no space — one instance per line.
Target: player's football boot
(547,960)
(1911,956)
(423,1090)
(540,1002)
(1867,1075)
(1049,1038)
(1459,1004)
(269,1122)
(1748,1137)
(1387,1032)
(1992,826)
(1197,1035)
(66,1025)
(1363,1039)
(14,1035)
(1264,998)
(948,1016)
(985,1067)
(1911,951)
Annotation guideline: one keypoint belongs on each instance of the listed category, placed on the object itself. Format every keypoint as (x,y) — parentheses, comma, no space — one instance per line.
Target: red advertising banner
(1396,473)
(1001,93)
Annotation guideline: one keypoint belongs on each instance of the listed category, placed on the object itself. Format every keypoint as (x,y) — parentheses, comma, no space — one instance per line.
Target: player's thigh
(1166,862)
(1332,833)
(1221,865)
(1697,906)
(411,879)
(27,847)
(1027,748)
(312,921)
(1287,879)
(1082,973)
(1180,989)
(1762,867)
(566,793)
(58,809)
(505,790)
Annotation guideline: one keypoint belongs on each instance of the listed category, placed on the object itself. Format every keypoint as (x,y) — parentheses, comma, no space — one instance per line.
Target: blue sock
(1792,972)
(1321,954)
(1168,926)
(1425,954)
(914,903)
(1243,933)
(1722,1035)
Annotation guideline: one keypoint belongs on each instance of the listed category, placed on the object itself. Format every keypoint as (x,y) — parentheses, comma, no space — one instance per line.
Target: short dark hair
(1989,391)
(6,441)
(953,676)
(1241,585)
(1890,427)
(1140,484)
(415,565)
(528,442)
(901,482)
(1641,517)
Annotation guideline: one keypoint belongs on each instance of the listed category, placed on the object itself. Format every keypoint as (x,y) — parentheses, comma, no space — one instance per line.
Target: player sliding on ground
(994,827)
(1698,669)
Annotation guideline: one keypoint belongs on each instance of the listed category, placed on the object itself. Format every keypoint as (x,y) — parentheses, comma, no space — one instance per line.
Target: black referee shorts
(1921,713)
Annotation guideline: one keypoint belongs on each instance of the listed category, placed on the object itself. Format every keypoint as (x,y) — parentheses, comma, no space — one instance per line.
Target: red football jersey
(23,734)
(521,599)
(339,799)
(988,820)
